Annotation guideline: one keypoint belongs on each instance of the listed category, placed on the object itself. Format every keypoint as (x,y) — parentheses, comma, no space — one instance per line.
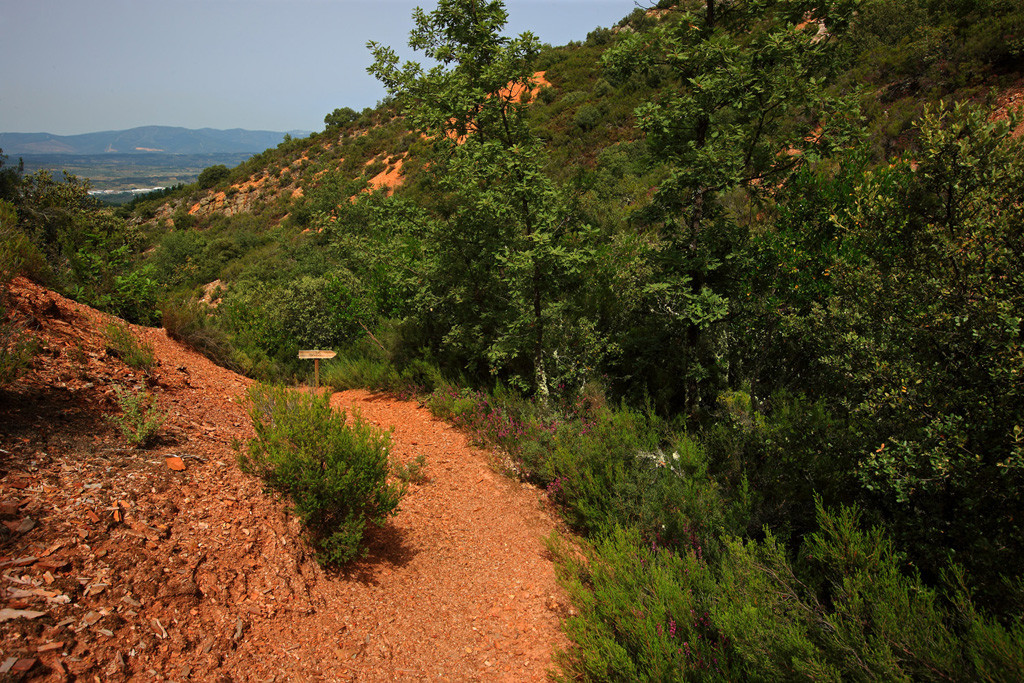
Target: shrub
(188,323)
(18,255)
(16,350)
(587,117)
(600,36)
(126,346)
(213,175)
(333,468)
(16,347)
(140,418)
(358,372)
(643,613)
(412,472)
(341,118)
(849,609)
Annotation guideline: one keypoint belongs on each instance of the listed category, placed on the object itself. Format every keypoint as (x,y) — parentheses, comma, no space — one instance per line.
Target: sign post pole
(316,355)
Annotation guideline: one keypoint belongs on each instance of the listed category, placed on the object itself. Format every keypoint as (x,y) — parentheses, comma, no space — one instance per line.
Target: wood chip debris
(158,628)
(7,614)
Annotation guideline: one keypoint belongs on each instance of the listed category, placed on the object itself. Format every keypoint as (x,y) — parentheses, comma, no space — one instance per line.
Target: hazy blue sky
(79,66)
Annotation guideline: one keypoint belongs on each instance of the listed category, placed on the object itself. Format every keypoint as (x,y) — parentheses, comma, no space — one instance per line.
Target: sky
(82,66)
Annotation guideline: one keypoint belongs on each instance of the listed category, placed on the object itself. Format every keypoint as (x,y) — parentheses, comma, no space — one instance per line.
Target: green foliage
(788,450)
(587,117)
(334,469)
(643,614)
(16,346)
(140,418)
(18,254)
(930,305)
(341,118)
(320,312)
(850,611)
(745,89)
(189,322)
(605,470)
(412,472)
(123,344)
(492,266)
(357,370)
(212,176)
(78,247)
(10,179)
(328,197)
(894,299)
(104,277)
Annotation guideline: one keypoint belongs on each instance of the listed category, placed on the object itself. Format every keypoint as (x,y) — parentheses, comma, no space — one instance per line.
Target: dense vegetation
(744,289)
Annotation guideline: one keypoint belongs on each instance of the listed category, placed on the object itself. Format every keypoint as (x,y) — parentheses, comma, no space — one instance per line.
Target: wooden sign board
(316,355)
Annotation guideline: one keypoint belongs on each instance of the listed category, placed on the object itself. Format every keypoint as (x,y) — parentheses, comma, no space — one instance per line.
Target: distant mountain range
(146,140)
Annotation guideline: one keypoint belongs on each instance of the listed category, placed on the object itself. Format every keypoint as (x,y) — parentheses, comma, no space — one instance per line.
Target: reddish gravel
(142,572)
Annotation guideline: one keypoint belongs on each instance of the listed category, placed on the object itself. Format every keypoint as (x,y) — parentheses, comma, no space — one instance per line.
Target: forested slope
(742,287)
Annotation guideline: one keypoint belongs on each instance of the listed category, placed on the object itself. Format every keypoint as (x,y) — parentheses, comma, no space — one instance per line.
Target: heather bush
(332,466)
(848,609)
(503,419)
(643,613)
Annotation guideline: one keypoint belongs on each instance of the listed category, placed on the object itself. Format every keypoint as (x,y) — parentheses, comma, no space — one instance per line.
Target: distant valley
(139,158)
(146,139)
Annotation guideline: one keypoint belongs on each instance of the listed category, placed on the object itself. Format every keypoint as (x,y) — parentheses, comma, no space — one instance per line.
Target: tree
(499,256)
(743,106)
(212,175)
(341,118)
(10,178)
(927,337)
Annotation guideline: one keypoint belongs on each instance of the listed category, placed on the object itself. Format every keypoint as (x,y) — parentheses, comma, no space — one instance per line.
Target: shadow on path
(386,546)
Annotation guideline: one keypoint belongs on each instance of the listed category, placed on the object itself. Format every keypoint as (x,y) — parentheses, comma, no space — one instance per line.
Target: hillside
(121,561)
(740,285)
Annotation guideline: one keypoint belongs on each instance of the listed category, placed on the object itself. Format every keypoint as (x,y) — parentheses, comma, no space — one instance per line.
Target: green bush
(123,344)
(189,323)
(332,467)
(358,372)
(642,613)
(849,609)
(18,255)
(16,347)
(212,176)
(140,418)
(587,117)
(16,350)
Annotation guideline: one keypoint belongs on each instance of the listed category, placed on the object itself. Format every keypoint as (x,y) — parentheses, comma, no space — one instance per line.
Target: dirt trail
(141,572)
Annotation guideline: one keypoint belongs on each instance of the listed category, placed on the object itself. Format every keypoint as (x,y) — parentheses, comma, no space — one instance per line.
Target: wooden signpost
(316,356)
